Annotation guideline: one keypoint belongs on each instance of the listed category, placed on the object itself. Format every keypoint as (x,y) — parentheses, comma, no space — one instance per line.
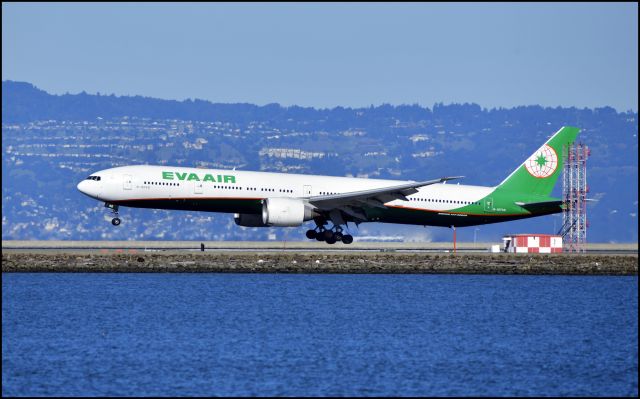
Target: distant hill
(50,142)
(23,102)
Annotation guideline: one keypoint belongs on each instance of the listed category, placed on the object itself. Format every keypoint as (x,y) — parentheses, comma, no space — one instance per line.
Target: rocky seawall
(255,262)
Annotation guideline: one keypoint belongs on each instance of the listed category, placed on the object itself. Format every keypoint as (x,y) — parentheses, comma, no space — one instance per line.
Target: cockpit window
(97,178)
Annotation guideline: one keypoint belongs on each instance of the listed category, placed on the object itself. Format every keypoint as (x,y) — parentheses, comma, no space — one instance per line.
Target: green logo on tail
(543,163)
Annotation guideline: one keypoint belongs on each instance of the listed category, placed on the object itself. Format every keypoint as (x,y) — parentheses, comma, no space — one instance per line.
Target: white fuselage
(145,182)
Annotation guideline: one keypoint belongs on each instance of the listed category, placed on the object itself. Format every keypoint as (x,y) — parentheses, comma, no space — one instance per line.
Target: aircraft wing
(350,202)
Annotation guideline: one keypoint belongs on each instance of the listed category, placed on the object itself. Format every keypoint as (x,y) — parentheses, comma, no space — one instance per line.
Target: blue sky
(324,55)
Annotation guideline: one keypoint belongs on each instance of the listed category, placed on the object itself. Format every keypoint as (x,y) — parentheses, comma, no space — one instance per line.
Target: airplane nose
(89,188)
(82,186)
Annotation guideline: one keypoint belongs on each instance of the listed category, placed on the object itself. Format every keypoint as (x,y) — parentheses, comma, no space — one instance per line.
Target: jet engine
(249,219)
(285,212)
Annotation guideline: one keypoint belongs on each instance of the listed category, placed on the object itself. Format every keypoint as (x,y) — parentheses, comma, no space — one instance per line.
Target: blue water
(256,334)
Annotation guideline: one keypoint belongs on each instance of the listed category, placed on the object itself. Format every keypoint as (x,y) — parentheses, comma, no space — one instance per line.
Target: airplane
(262,199)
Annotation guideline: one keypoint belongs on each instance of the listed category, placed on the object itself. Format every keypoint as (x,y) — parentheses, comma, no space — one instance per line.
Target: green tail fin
(539,173)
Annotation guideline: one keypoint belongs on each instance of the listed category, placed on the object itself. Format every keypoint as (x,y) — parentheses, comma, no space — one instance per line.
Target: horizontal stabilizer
(531,206)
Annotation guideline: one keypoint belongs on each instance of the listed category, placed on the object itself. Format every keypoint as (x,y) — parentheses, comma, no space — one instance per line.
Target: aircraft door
(127,182)
(489,206)
(197,187)
(306,191)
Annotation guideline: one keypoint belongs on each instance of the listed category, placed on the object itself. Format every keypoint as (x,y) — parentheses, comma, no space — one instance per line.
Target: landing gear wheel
(320,235)
(338,236)
(312,234)
(114,211)
(331,240)
(328,234)
(347,238)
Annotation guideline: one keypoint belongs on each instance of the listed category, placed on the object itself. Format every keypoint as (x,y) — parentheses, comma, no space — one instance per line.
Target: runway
(276,247)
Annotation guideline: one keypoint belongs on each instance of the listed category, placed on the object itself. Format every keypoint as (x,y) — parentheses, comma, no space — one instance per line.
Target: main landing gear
(330,236)
(114,210)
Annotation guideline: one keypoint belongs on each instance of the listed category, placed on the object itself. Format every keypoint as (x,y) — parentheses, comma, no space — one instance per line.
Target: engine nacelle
(249,219)
(285,212)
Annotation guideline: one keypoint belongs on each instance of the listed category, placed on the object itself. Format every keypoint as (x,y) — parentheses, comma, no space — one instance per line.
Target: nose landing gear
(114,210)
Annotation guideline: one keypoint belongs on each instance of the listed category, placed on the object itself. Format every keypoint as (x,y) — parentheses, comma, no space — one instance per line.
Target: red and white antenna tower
(574,195)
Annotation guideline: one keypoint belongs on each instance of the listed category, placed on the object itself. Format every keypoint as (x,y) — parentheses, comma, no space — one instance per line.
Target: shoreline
(318,262)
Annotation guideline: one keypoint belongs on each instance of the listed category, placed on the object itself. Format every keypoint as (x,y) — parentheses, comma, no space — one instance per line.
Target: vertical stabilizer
(538,174)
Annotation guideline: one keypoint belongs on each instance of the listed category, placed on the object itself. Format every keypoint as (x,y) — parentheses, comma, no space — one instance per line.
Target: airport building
(532,243)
